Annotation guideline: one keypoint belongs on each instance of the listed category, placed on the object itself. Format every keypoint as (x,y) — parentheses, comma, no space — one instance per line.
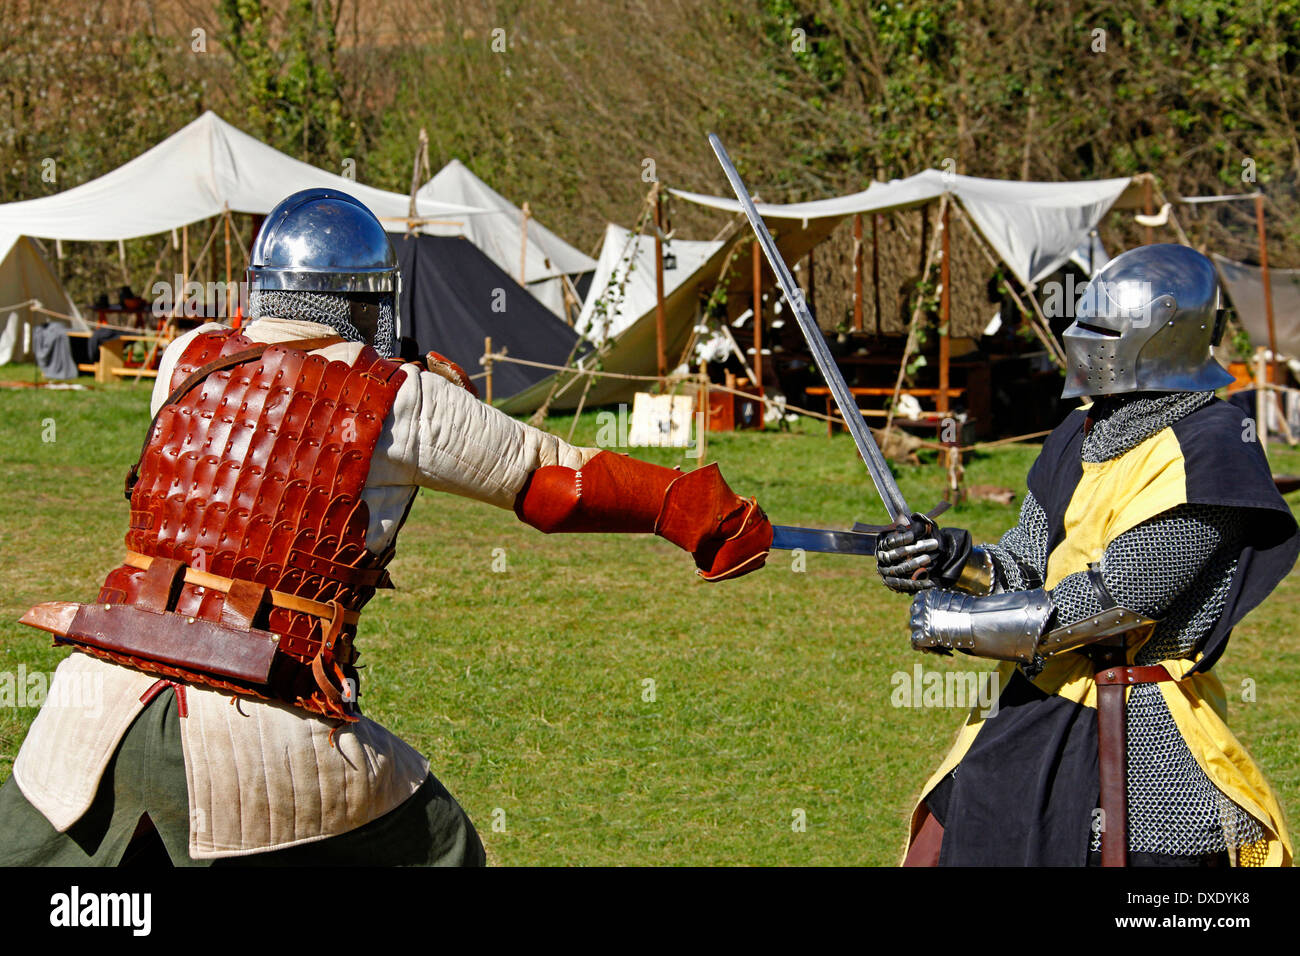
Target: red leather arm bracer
(728,535)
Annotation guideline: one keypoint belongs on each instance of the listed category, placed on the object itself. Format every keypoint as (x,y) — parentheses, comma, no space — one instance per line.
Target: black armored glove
(922,555)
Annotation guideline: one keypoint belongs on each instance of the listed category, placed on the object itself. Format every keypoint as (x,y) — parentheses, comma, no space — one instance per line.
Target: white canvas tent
(197,173)
(623,287)
(1033,227)
(1244,285)
(503,236)
(631,343)
(28,282)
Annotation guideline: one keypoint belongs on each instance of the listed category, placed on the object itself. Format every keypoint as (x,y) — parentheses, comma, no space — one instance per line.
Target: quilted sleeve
(441,437)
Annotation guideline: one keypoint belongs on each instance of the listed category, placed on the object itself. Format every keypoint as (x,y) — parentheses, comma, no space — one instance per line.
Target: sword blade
(786,538)
(890,494)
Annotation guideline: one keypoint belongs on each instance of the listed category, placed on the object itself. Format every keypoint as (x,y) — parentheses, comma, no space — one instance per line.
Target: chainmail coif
(327,308)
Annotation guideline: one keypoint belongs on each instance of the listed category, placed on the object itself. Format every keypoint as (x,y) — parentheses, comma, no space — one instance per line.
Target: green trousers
(145,784)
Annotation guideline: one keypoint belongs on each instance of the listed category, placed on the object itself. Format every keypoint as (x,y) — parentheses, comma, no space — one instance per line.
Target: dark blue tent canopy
(454,296)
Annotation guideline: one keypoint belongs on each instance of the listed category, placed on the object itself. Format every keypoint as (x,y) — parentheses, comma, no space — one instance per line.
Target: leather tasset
(246,561)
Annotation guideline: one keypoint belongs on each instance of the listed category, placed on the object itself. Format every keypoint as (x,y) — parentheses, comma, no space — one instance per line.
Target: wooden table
(879,392)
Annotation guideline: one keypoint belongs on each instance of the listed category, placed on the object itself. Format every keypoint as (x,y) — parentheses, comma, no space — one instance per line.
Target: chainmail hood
(1122,422)
(328,308)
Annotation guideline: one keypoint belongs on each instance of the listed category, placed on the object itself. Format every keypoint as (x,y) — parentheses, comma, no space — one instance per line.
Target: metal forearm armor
(1013,626)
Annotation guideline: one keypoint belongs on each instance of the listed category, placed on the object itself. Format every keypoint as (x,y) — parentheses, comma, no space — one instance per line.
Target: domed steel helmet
(1146,323)
(321,255)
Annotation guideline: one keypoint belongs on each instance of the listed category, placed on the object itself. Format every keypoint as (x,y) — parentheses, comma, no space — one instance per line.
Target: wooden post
(812,282)
(1268,285)
(702,415)
(758,317)
(1147,208)
(523,243)
(1261,407)
(875,270)
(857,271)
(945,314)
(660,329)
(487,367)
(225,217)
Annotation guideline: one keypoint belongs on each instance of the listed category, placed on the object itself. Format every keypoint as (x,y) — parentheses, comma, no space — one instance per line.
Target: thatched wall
(900,255)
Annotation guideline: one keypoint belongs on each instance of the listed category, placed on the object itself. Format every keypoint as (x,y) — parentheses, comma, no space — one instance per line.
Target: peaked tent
(623,287)
(501,234)
(454,296)
(1033,227)
(632,350)
(196,173)
(1245,287)
(25,275)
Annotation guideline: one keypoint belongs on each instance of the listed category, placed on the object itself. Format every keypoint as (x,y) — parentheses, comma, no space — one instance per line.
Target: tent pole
(571,304)
(1261,410)
(930,253)
(1268,285)
(875,268)
(758,317)
(225,224)
(812,281)
(702,419)
(857,271)
(523,242)
(487,368)
(1147,207)
(660,331)
(945,308)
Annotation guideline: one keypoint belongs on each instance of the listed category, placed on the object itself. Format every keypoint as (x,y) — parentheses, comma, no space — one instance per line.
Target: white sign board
(661,421)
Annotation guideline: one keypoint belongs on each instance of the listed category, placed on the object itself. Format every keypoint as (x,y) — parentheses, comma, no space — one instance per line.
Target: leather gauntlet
(726,534)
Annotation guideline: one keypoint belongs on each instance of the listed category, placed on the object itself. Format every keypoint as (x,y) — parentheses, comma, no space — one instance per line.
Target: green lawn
(527,688)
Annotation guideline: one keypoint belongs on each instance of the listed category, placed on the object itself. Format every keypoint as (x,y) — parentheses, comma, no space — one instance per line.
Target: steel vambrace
(1013,626)
(1005,627)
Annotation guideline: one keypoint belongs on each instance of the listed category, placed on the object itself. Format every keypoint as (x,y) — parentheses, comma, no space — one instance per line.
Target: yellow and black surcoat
(1026,787)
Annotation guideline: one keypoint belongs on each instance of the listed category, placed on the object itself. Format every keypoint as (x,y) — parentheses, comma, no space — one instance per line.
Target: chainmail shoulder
(1122,422)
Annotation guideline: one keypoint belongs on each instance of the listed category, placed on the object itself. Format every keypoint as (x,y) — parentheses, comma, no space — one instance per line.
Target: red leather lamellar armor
(256,475)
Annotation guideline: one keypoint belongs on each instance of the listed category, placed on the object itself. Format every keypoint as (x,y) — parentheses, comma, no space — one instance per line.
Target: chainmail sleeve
(1147,568)
(1020,557)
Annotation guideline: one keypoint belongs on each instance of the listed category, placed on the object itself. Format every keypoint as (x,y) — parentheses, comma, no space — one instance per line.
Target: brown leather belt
(1112,676)
(215,582)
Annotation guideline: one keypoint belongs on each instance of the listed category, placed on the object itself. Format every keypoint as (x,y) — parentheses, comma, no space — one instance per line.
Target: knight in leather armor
(282,460)
(1150,527)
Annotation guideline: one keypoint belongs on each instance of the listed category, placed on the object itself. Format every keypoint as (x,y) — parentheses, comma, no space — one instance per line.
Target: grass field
(527,688)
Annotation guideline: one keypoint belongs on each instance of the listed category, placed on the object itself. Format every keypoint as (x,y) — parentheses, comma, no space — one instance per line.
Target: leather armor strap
(217,365)
(1112,745)
(1126,676)
(235,586)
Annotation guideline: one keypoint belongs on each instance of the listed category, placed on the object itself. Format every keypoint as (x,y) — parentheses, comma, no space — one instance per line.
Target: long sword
(890,494)
(786,538)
